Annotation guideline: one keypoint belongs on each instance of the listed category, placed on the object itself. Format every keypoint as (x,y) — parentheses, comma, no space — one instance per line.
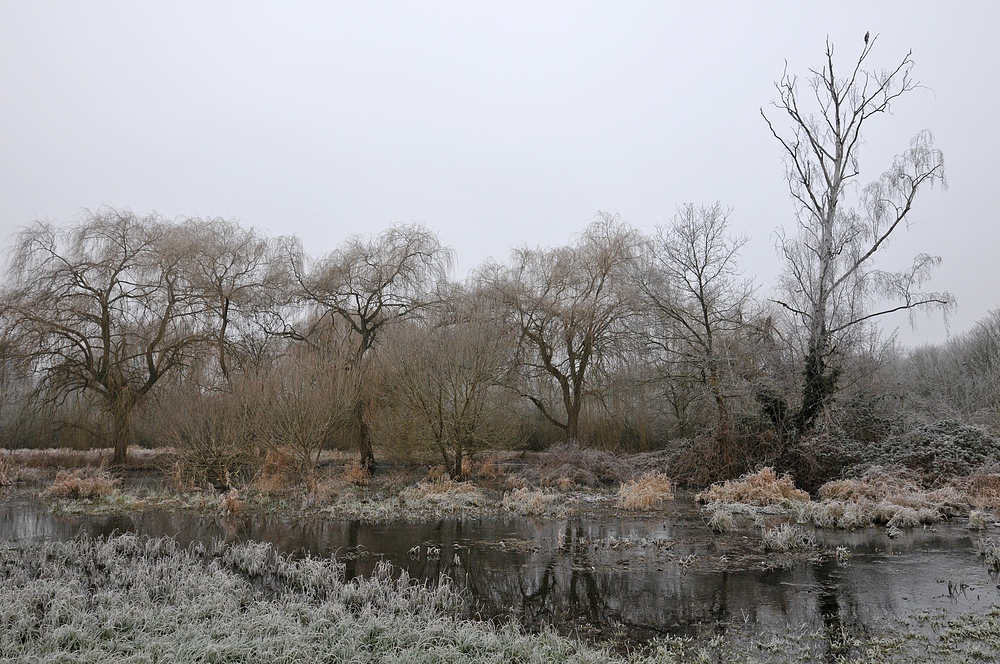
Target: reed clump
(787,537)
(444,495)
(762,488)
(82,483)
(531,502)
(647,492)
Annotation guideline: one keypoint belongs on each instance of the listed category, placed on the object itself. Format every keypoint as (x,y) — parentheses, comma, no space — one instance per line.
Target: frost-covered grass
(647,492)
(762,488)
(787,537)
(129,599)
(534,502)
(82,483)
(132,599)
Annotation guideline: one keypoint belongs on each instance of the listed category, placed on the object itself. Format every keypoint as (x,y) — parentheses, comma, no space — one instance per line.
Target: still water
(627,578)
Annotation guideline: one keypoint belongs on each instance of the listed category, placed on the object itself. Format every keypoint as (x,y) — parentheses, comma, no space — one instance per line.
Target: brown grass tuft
(436,473)
(7,473)
(645,493)
(357,474)
(876,484)
(982,489)
(82,484)
(230,504)
(762,488)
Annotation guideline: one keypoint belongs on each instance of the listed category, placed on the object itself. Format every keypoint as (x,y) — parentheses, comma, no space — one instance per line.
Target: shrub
(761,488)
(82,484)
(937,451)
(645,493)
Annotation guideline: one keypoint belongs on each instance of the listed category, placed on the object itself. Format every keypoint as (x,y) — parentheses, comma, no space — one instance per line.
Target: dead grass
(139,458)
(982,488)
(81,483)
(762,488)
(231,504)
(890,497)
(356,474)
(530,502)
(877,483)
(787,537)
(443,494)
(647,492)
(8,475)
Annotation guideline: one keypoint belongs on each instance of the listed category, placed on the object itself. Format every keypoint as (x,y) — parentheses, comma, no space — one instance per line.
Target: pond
(613,579)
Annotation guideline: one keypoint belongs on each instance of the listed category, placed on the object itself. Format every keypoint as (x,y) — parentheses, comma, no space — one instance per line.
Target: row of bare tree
(616,336)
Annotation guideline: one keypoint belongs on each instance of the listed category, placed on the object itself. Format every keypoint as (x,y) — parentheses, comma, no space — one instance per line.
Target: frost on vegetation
(721,518)
(977,520)
(135,599)
(989,549)
(762,488)
(937,451)
(787,537)
(82,483)
(531,502)
(647,492)
(443,494)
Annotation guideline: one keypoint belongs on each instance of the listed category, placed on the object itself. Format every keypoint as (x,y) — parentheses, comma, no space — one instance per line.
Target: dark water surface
(634,579)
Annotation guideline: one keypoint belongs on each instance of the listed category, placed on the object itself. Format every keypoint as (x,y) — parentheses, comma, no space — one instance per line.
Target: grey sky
(495,124)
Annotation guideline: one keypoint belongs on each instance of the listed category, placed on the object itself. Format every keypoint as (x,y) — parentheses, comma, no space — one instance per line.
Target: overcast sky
(495,124)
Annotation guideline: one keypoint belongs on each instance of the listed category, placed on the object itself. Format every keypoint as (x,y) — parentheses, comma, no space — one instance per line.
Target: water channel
(633,579)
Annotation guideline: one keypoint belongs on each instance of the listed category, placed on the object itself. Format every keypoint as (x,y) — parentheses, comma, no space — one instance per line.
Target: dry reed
(762,488)
(647,492)
(81,483)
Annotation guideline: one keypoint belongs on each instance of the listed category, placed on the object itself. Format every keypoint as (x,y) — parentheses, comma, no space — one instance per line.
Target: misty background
(495,125)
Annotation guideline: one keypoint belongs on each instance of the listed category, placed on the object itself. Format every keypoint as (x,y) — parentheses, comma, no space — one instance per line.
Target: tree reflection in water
(611,579)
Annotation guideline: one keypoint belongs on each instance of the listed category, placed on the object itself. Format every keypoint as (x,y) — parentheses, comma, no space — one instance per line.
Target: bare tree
(369,283)
(102,307)
(698,302)
(831,286)
(569,307)
(448,374)
(235,270)
(301,403)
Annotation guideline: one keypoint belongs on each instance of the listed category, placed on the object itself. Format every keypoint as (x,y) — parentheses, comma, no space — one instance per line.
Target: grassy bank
(131,599)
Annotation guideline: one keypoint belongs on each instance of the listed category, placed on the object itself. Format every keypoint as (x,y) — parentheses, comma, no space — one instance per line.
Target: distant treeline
(233,346)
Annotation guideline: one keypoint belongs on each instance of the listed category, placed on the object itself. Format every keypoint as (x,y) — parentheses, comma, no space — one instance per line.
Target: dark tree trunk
(366,454)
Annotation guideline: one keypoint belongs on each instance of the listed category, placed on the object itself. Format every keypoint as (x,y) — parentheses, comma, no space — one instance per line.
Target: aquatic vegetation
(977,520)
(241,602)
(761,488)
(8,474)
(645,493)
(443,494)
(531,502)
(82,483)
(990,551)
(721,519)
(787,537)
